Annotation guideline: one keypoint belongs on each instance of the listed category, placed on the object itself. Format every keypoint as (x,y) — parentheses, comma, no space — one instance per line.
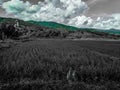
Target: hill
(29,29)
(62,26)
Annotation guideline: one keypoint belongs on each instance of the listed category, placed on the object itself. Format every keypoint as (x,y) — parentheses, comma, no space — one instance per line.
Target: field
(44,65)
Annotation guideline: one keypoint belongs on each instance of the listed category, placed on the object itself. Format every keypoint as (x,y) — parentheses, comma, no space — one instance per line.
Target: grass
(44,64)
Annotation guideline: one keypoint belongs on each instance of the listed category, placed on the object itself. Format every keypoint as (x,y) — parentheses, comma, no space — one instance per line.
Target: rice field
(44,65)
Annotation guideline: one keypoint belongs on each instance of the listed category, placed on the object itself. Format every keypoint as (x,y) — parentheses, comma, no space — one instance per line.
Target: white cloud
(105,22)
(109,22)
(50,10)
(69,12)
(14,6)
(81,21)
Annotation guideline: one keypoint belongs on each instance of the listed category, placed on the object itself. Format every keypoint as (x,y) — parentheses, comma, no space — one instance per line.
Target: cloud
(103,22)
(70,12)
(107,22)
(81,21)
(50,10)
(15,6)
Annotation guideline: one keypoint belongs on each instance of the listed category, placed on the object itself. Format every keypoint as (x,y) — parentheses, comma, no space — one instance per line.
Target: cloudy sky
(79,13)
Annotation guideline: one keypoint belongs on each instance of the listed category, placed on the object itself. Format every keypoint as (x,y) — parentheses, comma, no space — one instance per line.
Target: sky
(102,14)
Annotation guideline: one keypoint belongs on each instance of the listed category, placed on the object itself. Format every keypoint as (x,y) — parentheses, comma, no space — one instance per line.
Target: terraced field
(47,62)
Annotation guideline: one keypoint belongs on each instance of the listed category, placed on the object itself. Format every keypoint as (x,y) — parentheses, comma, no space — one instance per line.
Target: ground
(42,64)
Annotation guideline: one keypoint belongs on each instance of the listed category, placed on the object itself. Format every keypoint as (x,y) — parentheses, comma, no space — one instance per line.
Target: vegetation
(55,25)
(26,30)
(44,64)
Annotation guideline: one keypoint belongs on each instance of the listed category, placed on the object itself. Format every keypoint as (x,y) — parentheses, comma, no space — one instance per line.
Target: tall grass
(48,60)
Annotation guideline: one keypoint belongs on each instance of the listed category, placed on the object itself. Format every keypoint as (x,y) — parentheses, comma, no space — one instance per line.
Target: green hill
(55,25)
(58,25)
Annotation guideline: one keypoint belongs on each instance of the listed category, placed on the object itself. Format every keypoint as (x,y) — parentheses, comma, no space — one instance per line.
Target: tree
(2,30)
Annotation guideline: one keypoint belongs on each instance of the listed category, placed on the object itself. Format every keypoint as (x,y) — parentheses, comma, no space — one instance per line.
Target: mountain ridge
(59,25)
(55,25)
(43,29)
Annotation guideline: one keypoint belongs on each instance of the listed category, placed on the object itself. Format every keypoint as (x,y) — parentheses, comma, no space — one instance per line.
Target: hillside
(29,29)
(62,26)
